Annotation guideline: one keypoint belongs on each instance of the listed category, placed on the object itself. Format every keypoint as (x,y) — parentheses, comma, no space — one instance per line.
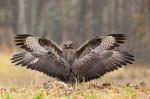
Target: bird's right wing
(36,44)
(48,63)
(96,64)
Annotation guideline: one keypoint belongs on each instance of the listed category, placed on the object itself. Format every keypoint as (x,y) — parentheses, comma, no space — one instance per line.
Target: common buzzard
(92,60)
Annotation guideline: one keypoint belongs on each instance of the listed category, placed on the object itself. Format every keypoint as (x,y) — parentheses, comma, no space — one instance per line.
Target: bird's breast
(69,55)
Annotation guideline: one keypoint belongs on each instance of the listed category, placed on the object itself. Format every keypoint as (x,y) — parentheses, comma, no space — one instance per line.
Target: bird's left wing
(36,44)
(48,63)
(97,64)
(105,43)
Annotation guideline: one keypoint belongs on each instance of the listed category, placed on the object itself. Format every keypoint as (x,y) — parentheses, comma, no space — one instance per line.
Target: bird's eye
(49,52)
(65,45)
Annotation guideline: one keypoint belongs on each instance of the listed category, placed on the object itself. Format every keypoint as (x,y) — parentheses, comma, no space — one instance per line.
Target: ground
(131,82)
(90,90)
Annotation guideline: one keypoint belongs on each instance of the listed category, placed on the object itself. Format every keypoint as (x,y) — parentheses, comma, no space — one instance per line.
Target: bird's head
(68,45)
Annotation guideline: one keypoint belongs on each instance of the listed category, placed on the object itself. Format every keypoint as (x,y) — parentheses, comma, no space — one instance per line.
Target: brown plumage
(92,60)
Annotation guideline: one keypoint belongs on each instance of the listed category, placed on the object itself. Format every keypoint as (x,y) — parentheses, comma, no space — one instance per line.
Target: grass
(19,83)
(59,90)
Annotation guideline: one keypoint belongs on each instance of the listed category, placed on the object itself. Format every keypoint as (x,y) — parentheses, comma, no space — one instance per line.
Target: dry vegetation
(131,82)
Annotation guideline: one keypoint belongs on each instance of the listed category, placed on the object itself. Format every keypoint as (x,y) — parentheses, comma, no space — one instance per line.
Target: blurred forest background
(78,20)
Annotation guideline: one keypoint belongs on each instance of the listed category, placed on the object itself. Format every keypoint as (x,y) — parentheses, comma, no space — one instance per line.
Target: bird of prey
(91,60)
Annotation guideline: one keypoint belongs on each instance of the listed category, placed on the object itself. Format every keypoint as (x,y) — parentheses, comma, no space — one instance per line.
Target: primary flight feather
(91,60)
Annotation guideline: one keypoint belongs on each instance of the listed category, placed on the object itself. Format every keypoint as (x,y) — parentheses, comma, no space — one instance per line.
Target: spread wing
(48,63)
(97,64)
(36,44)
(109,42)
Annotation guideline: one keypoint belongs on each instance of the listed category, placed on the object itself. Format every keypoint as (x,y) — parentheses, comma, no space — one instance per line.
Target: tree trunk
(22,25)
